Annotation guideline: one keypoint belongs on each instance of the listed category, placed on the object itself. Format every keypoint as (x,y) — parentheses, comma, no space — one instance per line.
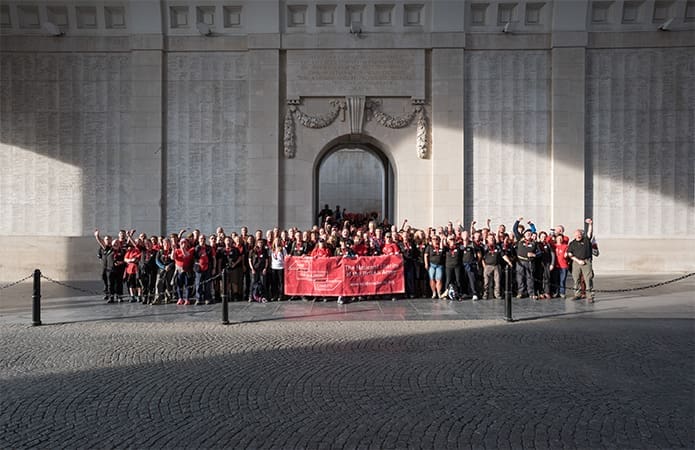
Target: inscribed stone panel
(385,73)
(207,116)
(60,122)
(640,135)
(507,145)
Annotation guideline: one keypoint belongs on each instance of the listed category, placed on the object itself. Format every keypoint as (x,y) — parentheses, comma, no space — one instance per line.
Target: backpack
(257,292)
(452,293)
(594,247)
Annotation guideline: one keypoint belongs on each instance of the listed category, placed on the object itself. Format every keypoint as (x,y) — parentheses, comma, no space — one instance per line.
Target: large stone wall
(206,152)
(64,134)
(641,140)
(133,119)
(507,165)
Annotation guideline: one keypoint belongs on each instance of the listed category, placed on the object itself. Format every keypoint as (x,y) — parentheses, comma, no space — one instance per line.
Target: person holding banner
(390,248)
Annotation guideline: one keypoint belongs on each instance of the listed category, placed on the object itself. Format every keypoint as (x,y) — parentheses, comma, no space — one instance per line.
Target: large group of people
(447,262)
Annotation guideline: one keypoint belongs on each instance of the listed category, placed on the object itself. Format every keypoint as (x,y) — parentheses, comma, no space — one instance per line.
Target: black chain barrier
(37,275)
(16,282)
(616,291)
(75,288)
(641,288)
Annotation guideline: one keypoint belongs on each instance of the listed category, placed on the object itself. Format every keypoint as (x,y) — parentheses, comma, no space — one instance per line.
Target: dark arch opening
(370,150)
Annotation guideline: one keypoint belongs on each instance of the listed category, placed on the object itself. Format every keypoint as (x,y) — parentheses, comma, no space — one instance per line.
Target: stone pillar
(567,136)
(263,186)
(447,135)
(144,143)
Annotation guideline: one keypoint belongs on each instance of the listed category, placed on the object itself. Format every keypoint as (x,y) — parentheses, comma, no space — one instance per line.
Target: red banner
(334,276)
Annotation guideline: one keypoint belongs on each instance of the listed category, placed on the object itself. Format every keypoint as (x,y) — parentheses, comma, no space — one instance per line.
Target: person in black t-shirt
(579,251)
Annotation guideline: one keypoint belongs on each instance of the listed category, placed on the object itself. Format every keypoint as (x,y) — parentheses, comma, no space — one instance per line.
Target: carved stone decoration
(403,121)
(421,135)
(388,121)
(289,140)
(320,121)
(355,106)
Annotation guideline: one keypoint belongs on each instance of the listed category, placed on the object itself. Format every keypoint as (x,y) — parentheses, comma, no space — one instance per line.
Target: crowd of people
(446,262)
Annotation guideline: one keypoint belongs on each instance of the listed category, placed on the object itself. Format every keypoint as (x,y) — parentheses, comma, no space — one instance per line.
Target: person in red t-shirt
(321,250)
(132,260)
(359,247)
(203,268)
(390,247)
(183,259)
(561,264)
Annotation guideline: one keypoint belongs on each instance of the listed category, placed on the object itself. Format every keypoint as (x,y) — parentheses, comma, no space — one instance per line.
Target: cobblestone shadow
(588,383)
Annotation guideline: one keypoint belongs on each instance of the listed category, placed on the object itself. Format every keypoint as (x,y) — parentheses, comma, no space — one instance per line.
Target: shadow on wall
(639,134)
(65,122)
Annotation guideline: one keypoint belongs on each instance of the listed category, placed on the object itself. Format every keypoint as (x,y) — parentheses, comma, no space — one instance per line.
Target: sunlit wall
(507,164)
(641,140)
(64,122)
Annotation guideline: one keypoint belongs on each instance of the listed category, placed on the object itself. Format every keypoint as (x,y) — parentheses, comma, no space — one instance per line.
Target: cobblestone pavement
(618,376)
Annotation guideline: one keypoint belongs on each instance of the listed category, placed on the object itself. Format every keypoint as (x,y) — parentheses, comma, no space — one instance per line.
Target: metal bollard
(36,300)
(225,300)
(507,294)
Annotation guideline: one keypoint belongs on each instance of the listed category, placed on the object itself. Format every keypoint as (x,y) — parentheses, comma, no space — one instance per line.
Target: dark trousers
(409,275)
(524,277)
(202,286)
(277,283)
(453,277)
(471,270)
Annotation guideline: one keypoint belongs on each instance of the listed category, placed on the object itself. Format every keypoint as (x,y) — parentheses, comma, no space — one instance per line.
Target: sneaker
(434,295)
(475,297)
(198,302)
(186,302)
(563,296)
(110,300)
(133,300)
(340,300)
(393,299)
(207,302)
(443,295)
(180,302)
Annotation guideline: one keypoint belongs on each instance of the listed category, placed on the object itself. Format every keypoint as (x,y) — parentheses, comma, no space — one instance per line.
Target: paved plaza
(408,374)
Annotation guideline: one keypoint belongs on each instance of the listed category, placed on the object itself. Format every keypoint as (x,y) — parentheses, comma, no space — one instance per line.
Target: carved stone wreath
(372,107)
(403,121)
(386,120)
(308,121)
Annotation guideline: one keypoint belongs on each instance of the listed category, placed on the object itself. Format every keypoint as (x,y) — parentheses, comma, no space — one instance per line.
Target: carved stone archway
(361,143)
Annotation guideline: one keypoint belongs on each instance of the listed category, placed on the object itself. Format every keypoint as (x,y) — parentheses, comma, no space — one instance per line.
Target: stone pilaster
(567,135)
(144,141)
(447,135)
(263,187)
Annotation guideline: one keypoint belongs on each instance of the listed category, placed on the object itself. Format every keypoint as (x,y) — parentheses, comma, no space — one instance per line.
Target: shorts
(436,272)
